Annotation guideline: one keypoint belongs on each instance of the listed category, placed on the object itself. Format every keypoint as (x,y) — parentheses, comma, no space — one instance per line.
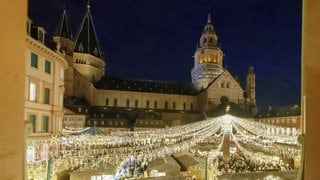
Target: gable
(225,80)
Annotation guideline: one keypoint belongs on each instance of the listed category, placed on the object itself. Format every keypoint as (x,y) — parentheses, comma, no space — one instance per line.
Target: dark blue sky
(156,39)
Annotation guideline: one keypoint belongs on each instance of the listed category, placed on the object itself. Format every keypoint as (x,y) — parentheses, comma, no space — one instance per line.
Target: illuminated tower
(207,58)
(87,55)
(251,91)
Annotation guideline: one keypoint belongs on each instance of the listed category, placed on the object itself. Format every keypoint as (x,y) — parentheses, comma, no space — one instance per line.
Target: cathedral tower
(207,58)
(251,91)
(64,45)
(63,38)
(87,55)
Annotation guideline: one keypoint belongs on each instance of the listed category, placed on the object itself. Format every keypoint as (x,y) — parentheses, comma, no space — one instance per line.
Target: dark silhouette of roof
(73,101)
(63,28)
(86,40)
(166,164)
(115,83)
(282,111)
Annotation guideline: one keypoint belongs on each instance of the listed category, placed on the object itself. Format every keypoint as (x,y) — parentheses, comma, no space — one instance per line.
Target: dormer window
(95,51)
(29,22)
(80,47)
(41,34)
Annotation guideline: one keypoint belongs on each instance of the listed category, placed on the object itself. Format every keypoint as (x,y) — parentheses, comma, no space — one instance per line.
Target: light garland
(85,152)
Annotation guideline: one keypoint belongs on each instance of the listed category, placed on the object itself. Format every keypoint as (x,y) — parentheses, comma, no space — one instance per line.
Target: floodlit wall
(13,17)
(310,86)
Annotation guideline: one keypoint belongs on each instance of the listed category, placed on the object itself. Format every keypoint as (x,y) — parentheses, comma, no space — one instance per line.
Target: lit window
(32,120)
(34,60)
(32,92)
(47,66)
(46,98)
(45,123)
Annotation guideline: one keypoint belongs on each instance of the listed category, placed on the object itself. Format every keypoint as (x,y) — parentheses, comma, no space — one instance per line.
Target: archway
(224,99)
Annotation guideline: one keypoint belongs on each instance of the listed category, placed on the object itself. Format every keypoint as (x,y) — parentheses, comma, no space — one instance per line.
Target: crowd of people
(239,163)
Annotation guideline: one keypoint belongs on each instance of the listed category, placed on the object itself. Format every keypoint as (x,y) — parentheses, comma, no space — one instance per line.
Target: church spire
(209,37)
(63,28)
(86,40)
(209,18)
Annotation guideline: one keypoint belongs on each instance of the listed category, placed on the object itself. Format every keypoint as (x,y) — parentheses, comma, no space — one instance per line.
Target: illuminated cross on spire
(88,4)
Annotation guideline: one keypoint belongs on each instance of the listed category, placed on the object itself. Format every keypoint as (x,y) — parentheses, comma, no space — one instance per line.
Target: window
(136,103)
(32,120)
(33,92)
(80,47)
(147,104)
(40,36)
(184,106)
(166,105)
(45,123)
(128,102)
(115,103)
(107,102)
(61,73)
(47,67)
(34,60)
(46,98)
(174,105)
(191,107)
(222,85)
(155,104)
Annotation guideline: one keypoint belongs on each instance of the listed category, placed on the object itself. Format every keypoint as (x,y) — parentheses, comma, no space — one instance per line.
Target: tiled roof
(114,83)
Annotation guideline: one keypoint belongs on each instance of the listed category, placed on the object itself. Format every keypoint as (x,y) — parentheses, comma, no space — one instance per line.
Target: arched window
(205,40)
(107,102)
(136,103)
(128,102)
(222,84)
(228,85)
(115,103)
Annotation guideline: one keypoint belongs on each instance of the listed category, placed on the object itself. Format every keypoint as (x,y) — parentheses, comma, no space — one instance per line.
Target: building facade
(44,81)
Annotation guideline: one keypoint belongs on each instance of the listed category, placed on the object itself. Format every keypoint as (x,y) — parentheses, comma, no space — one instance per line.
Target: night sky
(156,39)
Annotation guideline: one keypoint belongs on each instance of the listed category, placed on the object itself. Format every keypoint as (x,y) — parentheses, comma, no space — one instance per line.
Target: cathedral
(102,100)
